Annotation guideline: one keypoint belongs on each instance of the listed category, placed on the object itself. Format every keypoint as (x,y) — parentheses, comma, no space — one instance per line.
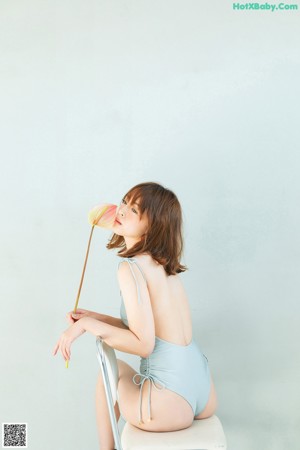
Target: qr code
(14,435)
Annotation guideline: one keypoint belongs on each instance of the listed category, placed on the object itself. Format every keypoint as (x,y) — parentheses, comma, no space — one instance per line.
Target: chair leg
(109,397)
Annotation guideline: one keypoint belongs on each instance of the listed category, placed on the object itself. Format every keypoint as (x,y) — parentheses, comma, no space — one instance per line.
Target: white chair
(204,434)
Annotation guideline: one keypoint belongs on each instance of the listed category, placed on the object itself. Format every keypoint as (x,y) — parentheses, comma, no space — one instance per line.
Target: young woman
(174,385)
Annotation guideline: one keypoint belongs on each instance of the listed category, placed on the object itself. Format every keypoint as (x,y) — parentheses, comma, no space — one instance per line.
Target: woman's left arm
(139,339)
(120,339)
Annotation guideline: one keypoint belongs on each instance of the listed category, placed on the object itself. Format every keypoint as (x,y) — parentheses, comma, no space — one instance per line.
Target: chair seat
(204,434)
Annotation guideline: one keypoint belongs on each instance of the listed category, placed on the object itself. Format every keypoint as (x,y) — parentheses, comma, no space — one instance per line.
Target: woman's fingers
(55,349)
(70,318)
(65,348)
(65,353)
(78,315)
(73,317)
(67,337)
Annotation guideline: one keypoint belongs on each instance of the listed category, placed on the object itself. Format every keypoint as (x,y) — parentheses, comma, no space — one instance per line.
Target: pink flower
(103,215)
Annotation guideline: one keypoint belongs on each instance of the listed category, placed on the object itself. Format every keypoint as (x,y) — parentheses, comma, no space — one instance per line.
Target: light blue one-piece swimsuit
(180,368)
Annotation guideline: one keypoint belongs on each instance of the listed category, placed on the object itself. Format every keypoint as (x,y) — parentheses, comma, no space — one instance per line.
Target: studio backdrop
(202,97)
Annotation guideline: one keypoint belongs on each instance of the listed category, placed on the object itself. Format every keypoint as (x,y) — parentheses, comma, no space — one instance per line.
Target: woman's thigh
(169,411)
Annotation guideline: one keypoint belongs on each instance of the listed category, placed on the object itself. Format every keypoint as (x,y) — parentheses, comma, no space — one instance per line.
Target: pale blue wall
(97,96)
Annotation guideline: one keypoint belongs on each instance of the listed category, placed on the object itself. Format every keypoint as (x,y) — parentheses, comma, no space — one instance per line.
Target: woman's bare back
(169,302)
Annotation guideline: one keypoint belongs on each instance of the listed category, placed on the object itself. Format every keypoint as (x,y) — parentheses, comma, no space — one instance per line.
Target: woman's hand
(66,339)
(80,313)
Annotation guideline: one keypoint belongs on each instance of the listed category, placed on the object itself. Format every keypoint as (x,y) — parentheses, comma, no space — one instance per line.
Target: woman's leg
(169,411)
(105,434)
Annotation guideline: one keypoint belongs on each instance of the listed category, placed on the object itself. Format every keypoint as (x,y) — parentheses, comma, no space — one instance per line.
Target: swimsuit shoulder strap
(132,261)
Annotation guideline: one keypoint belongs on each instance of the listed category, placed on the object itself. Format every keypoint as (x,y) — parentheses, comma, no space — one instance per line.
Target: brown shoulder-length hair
(163,239)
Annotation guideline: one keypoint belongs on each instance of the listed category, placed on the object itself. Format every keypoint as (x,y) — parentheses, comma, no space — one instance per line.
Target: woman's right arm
(80,313)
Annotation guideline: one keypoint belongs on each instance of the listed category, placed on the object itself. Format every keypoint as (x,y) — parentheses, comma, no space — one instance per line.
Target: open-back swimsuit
(182,369)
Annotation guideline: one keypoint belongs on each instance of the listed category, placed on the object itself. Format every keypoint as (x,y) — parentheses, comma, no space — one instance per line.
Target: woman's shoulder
(143,260)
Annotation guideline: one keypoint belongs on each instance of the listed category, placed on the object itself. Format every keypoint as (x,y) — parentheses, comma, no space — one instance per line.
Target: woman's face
(129,222)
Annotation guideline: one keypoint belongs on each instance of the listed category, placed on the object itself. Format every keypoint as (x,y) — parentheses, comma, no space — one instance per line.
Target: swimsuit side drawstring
(152,382)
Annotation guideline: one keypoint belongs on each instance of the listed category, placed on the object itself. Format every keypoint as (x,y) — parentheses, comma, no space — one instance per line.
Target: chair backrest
(109,369)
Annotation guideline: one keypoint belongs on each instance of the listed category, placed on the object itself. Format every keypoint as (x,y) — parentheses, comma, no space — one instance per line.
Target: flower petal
(103,215)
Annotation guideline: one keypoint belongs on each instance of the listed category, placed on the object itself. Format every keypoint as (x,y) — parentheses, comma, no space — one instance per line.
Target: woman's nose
(121,211)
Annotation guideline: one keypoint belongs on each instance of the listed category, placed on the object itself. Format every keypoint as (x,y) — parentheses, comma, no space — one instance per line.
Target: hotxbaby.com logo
(264,6)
